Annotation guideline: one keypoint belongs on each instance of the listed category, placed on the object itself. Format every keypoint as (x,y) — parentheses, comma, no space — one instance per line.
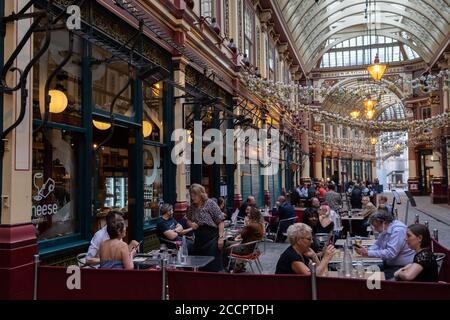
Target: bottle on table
(184,252)
(347,263)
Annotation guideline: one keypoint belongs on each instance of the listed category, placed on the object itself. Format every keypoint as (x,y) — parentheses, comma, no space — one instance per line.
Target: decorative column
(318,162)
(438,187)
(18,241)
(237,198)
(179,76)
(265,177)
(306,169)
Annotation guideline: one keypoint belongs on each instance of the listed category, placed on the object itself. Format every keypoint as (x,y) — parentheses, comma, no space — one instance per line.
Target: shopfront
(88,160)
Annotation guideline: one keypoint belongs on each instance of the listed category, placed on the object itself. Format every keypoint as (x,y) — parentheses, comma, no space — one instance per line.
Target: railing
(56,283)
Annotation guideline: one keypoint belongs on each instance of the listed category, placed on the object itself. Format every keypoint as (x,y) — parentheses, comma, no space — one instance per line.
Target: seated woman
(114,253)
(325,225)
(296,258)
(424,267)
(311,219)
(253,231)
(254,227)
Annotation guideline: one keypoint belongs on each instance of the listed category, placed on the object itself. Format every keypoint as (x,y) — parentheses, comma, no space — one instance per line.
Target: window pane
(332,59)
(153,182)
(338,59)
(396,54)
(360,57)
(353,60)
(108,80)
(54,187)
(326,60)
(153,111)
(67,81)
(346,58)
(207,8)
(352,42)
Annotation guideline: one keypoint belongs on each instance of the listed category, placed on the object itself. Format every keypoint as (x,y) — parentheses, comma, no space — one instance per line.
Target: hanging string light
(354,114)
(376,70)
(373,140)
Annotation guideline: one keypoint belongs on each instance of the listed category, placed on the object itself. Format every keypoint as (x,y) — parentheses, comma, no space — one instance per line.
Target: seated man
(92,256)
(312,210)
(284,210)
(391,245)
(382,203)
(367,207)
(168,228)
(242,210)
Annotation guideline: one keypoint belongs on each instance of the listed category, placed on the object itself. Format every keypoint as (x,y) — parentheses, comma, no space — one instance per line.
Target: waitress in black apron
(205,216)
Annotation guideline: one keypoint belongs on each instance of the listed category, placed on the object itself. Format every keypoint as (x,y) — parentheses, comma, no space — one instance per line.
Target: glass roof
(357,89)
(318,26)
(354,52)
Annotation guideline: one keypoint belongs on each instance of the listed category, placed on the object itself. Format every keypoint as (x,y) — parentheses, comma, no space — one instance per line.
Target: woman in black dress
(205,217)
(424,267)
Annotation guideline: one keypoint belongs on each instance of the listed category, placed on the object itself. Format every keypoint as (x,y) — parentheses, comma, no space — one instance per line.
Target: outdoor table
(336,274)
(339,256)
(364,242)
(193,262)
(354,222)
(144,261)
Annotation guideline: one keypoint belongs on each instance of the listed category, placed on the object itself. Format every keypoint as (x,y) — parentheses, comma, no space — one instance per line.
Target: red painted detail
(18,245)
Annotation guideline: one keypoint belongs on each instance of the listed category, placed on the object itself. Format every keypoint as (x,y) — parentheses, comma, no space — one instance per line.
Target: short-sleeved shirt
(284,265)
(428,262)
(100,236)
(164,225)
(207,215)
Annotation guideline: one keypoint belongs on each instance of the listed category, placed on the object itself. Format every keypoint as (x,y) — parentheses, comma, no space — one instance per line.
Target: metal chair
(253,255)
(439,259)
(284,222)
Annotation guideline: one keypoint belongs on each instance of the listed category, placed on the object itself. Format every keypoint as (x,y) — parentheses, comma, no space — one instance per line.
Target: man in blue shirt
(391,244)
(284,210)
(169,229)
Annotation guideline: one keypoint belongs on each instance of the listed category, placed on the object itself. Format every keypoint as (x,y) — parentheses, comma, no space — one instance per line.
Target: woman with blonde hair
(206,218)
(326,224)
(296,258)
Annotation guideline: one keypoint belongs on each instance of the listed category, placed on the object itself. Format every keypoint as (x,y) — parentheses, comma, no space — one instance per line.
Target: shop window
(107,80)
(153,182)
(55,190)
(111,169)
(66,84)
(153,112)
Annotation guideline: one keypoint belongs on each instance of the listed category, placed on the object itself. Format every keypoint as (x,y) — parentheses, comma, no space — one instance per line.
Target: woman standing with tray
(206,218)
